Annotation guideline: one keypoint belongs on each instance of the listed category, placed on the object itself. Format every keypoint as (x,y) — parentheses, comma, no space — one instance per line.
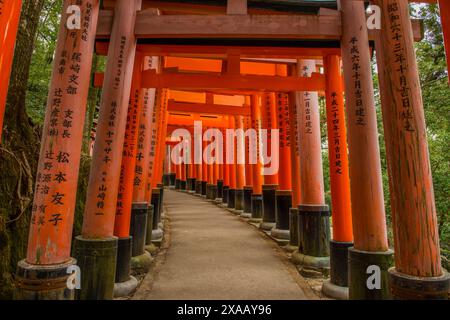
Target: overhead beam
(207,108)
(306,27)
(188,120)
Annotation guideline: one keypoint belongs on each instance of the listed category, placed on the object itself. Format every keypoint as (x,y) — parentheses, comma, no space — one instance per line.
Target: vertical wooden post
(283,196)
(232,166)
(141,210)
(248,187)
(239,156)
(226,169)
(192,168)
(444,7)
(313,214)
(124,282)
(269,122)
(257,179)
(204,168)
(367,201)
(100,209)
(418,273)
(9,23)
(49,241)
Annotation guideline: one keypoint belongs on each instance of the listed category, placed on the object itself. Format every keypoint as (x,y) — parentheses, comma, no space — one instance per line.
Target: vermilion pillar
(49,241)
(231,162)
(257,167)
(240,164)
(295,171)
(125,191)
(100,209)
(313,214)
(269,123)
(9,23)
(192,169)
(418,273)
(226,169)
(248,187)
(283,196)
(205,174)
(141,210)
(367,201)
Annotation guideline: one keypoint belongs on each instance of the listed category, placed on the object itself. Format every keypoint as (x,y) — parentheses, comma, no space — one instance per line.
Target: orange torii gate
(414,225)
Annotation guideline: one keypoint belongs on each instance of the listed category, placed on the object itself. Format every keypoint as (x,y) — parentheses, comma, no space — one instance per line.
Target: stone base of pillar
(166,180)
(329,289)
(177,184)
(198,187)
(191,185)
(314,238)
(248,191)
(151,248)
(293,231)
(311,266)
(406,287)
(225,191)
(268,211)
(256,216)
(219,189)
(204,183)
(183,185)
(358,262)
(283,202)
(231,198)
(97,261)
(157,236)
(124,282)
(172,178)
(43,282)
(149,228)
(138,227)
(239,200)
(141,264)
(125,288)
(337,287)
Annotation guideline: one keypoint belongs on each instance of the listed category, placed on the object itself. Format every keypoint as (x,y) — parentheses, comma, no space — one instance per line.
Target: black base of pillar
(239,200)
(148,231)
(256,208)
(337,287)
(183,185)
(293,230)
(198,187)
(177,184)
(219,189)
(204,183)
(225,192)
(231,198)
(156,202)
(138,227)
(97,261)
(358,262)
(43,282)
(172,178)
(406,287)
(211,191)
(190,184)
(166,180)
(248,191)
(283,202)
(123,266)
(313,237)
(268,191)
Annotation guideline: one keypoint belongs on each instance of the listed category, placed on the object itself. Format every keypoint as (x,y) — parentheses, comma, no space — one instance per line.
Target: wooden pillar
(141,211)
(418,273)
(257,177)
(269,122)
(226,168)
(240,164)
(367,201)
(9,23)
(313,214)
(100,209)
(283,196)
(231,162)
(248,188)
(50,236)
(444,7)
(125,191)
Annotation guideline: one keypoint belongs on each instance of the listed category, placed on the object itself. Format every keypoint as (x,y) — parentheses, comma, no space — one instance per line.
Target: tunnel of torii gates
(236,66)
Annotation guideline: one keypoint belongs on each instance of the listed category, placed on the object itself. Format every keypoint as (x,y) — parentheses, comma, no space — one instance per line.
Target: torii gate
(414,216)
